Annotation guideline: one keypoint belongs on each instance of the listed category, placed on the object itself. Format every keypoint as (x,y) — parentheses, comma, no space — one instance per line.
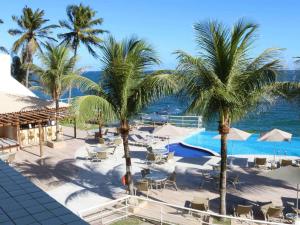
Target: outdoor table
(157,178)
(100,148)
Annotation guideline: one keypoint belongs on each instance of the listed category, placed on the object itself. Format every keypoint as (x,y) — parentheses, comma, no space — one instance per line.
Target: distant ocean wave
(282,114)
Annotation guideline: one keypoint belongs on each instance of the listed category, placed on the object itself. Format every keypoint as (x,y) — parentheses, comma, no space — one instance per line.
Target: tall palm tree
(55,74)
(224,82)
(32,30)
(81,29)
(125,88)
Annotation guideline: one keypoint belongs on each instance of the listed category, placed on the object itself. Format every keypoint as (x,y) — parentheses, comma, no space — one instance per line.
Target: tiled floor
(22,203)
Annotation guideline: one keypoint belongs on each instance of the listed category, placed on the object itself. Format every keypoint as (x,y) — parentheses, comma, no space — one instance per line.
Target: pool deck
(66,175)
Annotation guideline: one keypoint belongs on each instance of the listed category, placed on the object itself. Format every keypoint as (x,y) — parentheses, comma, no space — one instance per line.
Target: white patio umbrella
(235,134)
(169,131)
(276,135)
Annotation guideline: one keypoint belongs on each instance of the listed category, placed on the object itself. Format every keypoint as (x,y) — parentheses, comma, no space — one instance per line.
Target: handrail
(126,198)
(103,205)
(207,213)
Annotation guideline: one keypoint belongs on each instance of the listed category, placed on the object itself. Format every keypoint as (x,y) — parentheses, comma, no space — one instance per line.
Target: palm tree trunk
(27,78)
(124,129)
(70,88)
(223,130)
(100,128)
(56,119)
(28,61)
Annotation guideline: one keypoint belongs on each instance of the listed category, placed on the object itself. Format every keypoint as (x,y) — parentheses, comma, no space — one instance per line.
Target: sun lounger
(243,210)
(138,141)
(260,163)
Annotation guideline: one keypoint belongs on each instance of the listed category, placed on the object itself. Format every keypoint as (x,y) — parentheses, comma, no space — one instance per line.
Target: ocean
(281,114)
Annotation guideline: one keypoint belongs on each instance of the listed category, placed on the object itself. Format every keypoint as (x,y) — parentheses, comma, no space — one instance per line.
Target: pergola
(37,116)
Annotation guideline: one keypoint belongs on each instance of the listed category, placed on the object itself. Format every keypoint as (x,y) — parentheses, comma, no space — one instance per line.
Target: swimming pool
(204,140)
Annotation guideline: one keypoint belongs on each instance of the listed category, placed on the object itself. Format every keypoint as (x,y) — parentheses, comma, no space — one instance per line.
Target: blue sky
(167,24)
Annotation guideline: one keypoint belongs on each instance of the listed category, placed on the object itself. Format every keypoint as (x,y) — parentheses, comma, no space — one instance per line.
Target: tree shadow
(88,178)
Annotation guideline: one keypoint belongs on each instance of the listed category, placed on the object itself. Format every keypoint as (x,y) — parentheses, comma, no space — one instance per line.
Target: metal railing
(176,120)
(158,212)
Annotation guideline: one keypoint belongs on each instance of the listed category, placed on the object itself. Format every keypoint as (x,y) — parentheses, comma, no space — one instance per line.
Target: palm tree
(224,82)
(32,30)
(81,30)
(125,88)
(55,74)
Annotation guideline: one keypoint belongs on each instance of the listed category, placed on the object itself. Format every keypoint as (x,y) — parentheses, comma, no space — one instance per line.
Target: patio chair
(200,203)
(149,149)
(234,181)
(286,162)
(171,180)
(144,172)
(275,213)
(205,178)
(243,210)
(142,186)
(260,163)
(153,158)
(272,213)
(92,156)
(169,157)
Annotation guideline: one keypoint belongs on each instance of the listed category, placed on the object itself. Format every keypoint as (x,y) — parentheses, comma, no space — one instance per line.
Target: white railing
(159,212)
(177,120)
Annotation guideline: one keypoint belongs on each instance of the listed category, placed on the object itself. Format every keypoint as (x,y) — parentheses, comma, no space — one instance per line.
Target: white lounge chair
(139,140)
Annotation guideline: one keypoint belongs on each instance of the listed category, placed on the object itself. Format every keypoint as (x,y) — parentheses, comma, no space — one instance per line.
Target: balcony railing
(158,212)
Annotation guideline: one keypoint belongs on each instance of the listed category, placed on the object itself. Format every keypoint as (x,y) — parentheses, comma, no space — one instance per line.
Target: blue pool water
(251,146)
(183,151)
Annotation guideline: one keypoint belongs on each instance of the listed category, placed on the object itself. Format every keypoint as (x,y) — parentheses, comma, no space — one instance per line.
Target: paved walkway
(67,176)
